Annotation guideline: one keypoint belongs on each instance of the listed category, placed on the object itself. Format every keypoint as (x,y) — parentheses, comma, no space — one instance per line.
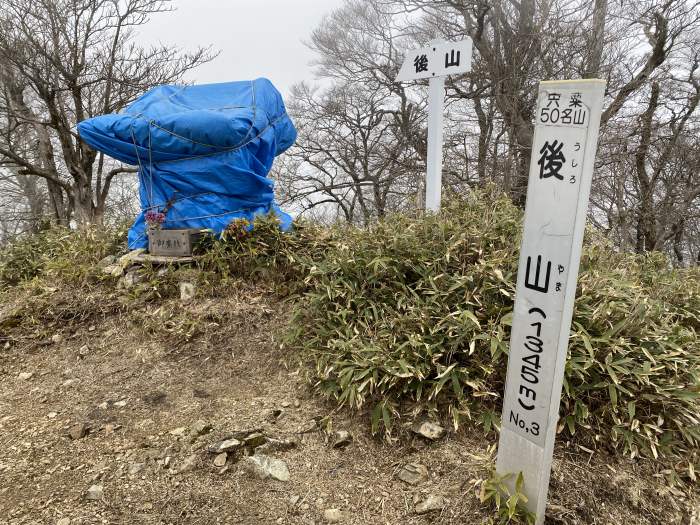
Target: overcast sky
(256,38)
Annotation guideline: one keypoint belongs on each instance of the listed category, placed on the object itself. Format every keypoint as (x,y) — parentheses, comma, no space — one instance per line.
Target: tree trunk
(597,39)
(523,145)
(485,127)
(60,205)
(83,207)
(678,231)
(646,220)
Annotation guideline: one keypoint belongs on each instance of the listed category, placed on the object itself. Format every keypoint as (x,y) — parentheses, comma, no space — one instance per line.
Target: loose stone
(431,503)
(201,427)
(255,440)
(334,516)
(341,439)
(220,459)
(179,431)
(187,292)
(136,468)
(413,473)
(264,467)
(227,445)
(94,493)
(78,431)
(428,430)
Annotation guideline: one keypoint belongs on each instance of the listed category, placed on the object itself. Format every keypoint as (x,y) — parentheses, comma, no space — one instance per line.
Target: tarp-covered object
(203,152)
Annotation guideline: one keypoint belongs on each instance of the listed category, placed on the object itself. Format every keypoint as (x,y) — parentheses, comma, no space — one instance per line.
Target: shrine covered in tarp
(203,152)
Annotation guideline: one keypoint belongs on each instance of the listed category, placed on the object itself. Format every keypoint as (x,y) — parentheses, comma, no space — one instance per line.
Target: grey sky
(257,38)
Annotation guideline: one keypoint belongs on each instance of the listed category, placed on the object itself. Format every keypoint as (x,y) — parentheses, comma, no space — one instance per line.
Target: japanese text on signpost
(561,169)
(559,149)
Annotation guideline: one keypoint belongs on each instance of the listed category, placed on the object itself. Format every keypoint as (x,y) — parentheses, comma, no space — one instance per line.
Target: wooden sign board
(436,61)
(561,170)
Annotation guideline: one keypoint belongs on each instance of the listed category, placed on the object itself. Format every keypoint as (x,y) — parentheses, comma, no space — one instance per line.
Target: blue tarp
(203,152)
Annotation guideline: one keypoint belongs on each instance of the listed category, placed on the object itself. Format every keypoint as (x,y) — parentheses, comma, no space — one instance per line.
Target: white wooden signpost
(561,169)
(435,62)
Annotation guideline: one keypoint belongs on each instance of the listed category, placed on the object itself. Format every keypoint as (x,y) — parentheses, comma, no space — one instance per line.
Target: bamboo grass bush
(413,315)
(58,252)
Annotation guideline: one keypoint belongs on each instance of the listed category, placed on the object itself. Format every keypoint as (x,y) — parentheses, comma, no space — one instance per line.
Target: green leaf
(376,416)
(612,391)
(386,415)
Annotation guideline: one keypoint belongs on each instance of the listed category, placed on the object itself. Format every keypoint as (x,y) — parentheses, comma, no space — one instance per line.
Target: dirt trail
(136,391)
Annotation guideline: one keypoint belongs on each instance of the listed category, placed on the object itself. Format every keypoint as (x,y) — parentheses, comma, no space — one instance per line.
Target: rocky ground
(110,422)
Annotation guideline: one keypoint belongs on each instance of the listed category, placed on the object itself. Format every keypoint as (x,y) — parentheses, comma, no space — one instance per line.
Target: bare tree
(64,61)
(520,43)
(23,204)
(644,190)
(651,174)
(362,142)
(350,153)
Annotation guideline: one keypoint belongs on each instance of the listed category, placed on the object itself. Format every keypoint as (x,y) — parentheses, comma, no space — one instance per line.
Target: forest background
(361,150)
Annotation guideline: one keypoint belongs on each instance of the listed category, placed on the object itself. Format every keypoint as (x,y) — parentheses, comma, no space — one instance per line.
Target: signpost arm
(433,182)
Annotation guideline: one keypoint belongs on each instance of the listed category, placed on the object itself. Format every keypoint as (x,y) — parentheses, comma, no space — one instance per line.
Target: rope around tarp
(148,179)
